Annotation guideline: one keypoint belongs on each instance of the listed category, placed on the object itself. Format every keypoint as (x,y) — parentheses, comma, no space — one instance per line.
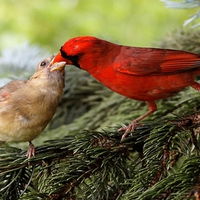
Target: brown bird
(26,107)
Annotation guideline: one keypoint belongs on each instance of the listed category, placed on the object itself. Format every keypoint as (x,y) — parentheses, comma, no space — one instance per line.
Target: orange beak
(58,66)
(59,58)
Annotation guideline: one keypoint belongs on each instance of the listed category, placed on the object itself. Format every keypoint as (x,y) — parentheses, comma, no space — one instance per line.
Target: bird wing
(9,88)
(144,61)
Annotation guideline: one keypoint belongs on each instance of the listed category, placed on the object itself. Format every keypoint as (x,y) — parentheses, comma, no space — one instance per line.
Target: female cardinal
(26,107)
(145,74)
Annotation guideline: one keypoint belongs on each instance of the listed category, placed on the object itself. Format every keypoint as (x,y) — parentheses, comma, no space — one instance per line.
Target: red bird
(145,74)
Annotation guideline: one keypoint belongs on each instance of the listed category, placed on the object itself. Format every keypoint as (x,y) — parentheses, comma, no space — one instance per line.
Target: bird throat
(74,59)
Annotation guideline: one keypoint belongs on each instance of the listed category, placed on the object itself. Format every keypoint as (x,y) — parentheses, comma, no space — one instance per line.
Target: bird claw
(130,128)
(31,151)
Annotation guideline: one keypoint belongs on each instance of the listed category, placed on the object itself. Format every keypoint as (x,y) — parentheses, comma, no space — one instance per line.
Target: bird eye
(43,63)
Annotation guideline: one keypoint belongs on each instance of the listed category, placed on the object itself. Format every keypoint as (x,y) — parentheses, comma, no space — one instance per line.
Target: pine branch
(158,161)
(97,165)
(181,40)
(80,160)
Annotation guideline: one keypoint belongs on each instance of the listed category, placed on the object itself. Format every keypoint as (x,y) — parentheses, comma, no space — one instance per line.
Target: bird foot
(31,150)
(130,128)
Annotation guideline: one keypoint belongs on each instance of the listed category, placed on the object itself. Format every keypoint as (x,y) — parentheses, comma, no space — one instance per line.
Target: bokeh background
(33,30)
(50,23)
(79,154)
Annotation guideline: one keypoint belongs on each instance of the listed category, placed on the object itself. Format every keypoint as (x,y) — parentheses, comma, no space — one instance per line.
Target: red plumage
(146,74)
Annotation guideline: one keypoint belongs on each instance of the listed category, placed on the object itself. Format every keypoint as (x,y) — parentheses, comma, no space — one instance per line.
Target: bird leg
(31,150)
(195,85)
(131,127)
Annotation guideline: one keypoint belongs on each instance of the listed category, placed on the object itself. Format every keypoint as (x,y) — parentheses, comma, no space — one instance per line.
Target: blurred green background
(50,23)
(33,30)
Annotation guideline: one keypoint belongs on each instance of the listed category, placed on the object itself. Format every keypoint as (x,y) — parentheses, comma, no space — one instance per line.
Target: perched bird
(26,107)
(145,74)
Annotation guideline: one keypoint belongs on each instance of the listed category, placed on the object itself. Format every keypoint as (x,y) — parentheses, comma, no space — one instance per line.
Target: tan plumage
(26,107)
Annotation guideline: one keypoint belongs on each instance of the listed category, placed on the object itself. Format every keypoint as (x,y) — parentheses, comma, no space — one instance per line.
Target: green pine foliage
(81,155)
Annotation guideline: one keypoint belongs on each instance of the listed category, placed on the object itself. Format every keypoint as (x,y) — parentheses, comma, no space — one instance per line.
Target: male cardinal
(26,107)
(145,74)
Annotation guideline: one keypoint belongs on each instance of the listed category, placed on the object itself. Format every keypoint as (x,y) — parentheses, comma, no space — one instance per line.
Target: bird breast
(23,117)
(144,88)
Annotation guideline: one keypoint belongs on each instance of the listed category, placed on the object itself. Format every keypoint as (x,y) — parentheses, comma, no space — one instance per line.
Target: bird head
(48,79)
(76,49)
(45,65)
(45,71)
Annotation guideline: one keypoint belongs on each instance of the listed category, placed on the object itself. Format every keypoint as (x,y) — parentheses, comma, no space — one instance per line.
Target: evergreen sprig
(97,165)
(160,160)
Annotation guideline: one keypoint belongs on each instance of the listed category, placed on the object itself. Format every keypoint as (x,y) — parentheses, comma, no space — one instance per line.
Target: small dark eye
(43,63)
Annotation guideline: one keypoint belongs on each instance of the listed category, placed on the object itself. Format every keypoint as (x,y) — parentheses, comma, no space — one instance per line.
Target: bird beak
(59,58)
(57,66)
